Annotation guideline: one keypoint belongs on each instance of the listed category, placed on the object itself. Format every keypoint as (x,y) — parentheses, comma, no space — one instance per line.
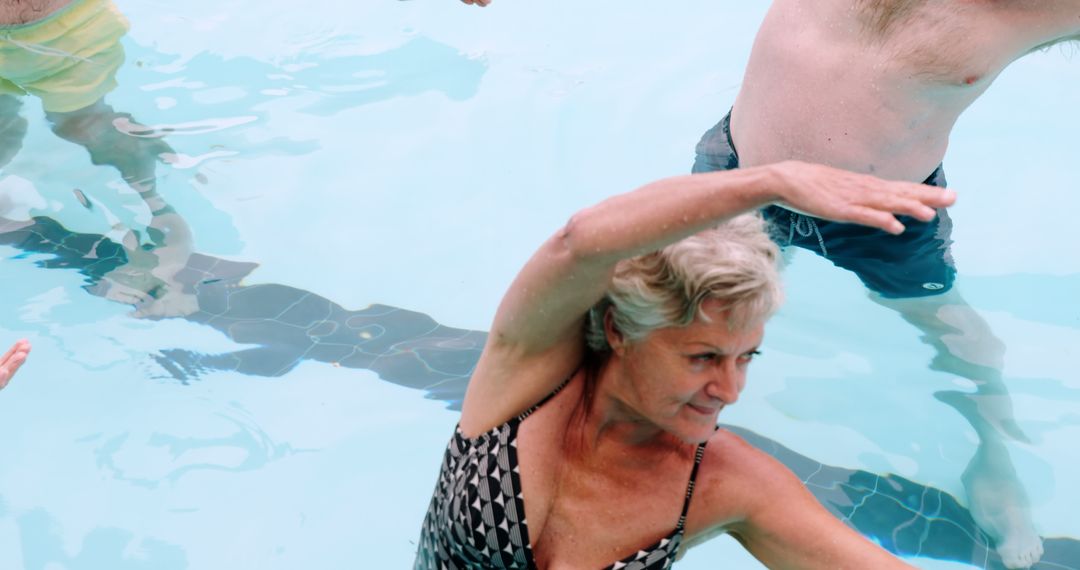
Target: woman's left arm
(768,509)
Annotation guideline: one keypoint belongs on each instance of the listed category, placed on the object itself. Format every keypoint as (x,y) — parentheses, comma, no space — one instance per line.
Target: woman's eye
(708,357)
(748,356)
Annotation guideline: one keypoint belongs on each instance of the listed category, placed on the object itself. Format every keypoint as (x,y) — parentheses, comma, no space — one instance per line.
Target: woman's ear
(612,333)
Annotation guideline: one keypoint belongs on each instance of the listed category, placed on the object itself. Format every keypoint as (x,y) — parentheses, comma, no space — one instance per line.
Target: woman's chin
(695,433)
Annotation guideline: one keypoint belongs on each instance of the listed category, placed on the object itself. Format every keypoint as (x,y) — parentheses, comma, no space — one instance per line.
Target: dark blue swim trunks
(916,263)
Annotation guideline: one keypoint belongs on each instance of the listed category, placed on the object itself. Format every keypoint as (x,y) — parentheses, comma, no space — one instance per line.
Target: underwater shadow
(286,325)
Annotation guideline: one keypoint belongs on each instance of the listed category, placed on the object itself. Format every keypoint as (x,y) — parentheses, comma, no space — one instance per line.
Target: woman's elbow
(580,239)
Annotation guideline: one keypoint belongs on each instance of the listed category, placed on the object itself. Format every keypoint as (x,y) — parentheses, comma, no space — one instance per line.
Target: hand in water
(12,360)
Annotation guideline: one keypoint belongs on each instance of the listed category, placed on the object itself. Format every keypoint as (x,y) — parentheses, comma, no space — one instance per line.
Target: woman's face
(679,378)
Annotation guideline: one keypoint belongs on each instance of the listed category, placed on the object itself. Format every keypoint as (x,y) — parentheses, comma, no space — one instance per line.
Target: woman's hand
(844,196)
(12,360)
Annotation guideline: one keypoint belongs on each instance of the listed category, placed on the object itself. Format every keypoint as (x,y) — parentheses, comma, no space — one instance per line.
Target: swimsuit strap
(690,486)
(529,411)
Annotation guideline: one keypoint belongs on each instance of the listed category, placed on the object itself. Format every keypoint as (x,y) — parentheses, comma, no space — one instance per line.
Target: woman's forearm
(666,211)
(673,208)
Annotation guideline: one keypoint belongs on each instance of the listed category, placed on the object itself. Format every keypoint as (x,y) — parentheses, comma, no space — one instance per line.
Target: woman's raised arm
(537,339)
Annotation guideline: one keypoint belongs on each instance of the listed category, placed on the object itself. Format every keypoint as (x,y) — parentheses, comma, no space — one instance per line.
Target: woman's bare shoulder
(734,479)
(733,455)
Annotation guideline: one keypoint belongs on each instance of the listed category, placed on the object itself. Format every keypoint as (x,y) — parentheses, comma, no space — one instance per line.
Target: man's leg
(94,128)
(12,126)
(148,279)
(965,346)
(913,274)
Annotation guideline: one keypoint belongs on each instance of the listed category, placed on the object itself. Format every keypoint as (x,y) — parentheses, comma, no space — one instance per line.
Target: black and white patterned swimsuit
(477,516)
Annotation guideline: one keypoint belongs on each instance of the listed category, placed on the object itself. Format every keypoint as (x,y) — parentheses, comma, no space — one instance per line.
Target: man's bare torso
(15,12)
(876,85)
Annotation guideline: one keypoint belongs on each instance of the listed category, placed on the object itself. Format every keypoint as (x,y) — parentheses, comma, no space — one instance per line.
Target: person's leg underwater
(913,274)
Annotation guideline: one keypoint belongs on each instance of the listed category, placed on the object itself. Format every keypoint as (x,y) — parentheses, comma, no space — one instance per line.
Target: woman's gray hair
(735,263)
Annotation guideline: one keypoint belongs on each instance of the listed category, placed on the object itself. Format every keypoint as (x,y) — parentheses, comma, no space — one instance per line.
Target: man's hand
(12,360)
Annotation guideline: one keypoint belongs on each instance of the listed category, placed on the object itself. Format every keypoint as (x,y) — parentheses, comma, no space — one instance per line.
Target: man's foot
(996,498)
(1021,550)
(999,506)
(151,295)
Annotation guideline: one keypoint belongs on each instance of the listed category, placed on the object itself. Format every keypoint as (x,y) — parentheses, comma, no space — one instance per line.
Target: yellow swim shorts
(68,59)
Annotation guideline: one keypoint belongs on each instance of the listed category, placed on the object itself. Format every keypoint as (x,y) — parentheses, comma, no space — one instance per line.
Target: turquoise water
(334,163)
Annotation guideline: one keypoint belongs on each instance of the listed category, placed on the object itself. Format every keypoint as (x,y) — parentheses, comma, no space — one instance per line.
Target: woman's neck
(606,421)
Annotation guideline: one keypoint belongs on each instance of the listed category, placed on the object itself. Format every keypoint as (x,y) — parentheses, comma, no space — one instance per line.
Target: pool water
(361,183)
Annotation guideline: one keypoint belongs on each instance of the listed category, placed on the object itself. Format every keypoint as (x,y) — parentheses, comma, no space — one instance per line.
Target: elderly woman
(588,433)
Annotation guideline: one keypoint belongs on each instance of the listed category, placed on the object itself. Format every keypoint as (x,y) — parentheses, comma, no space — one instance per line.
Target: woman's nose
(724,386)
